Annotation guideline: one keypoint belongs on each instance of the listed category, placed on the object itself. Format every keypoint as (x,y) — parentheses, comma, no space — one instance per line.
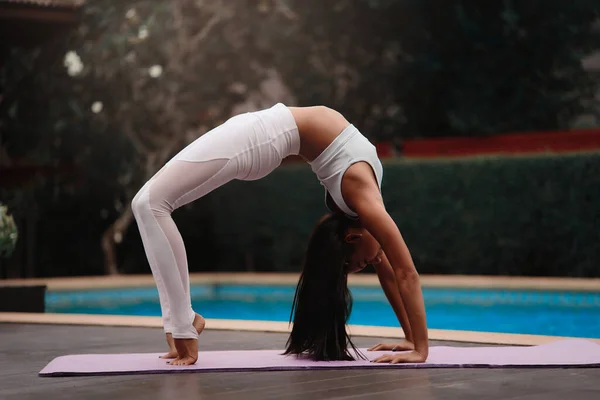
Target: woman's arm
(378,222)
(387,279)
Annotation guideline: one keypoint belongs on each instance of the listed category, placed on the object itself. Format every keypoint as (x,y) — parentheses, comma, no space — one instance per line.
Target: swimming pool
(574,314)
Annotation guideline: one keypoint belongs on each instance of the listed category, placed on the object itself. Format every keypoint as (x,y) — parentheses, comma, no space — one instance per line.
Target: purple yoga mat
(565,353)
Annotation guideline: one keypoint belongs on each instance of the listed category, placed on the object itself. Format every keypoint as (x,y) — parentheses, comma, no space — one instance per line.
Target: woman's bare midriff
(317,127)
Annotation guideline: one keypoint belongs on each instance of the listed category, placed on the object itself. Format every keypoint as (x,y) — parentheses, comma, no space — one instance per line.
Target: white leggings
(246,147)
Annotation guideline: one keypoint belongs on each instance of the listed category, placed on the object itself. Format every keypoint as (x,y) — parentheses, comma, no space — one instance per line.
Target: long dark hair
(322,303)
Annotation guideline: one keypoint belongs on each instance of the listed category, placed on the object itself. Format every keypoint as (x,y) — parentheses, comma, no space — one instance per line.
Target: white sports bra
(348,148)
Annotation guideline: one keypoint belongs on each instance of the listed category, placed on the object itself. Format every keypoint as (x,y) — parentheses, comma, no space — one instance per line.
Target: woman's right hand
(403,345)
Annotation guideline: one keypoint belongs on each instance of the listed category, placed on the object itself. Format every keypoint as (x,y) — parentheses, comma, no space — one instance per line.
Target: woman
(359,232)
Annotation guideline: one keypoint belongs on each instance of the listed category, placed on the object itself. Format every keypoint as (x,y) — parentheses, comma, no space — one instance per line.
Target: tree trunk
(112,236)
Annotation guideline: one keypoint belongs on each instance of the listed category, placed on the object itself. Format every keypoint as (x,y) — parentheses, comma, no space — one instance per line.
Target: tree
(138,81)
(480,68)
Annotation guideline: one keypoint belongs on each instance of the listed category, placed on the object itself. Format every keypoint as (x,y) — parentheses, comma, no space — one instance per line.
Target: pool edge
(278,327)
(453,281)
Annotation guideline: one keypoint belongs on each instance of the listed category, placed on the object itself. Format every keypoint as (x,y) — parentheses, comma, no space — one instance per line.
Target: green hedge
(534,215)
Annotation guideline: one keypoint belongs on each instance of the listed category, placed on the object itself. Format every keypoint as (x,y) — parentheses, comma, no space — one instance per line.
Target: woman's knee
(149,200)
(138,204)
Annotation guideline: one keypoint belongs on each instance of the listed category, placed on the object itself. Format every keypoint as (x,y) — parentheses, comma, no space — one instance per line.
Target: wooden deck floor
(26,349)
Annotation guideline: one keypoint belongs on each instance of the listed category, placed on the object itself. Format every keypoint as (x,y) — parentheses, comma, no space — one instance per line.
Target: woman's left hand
(410,357)
(400,346)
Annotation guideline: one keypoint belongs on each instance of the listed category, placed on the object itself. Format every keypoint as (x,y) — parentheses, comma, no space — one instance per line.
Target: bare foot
(172,350)
(199,323)
(187,350)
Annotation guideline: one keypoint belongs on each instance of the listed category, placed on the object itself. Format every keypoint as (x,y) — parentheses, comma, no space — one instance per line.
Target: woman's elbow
(407,273)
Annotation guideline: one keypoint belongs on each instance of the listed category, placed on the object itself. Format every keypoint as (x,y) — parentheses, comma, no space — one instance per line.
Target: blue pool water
(574,314)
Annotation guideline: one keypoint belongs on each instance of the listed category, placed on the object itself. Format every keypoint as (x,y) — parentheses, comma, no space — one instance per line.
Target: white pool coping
(453,281)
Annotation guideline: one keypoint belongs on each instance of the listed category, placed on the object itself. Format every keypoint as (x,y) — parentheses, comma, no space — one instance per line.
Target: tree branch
(200,36)
(140,148)
(285,10)
(179,23)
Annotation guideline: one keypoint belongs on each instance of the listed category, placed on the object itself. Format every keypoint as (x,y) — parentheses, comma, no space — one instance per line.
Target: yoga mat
(564,353)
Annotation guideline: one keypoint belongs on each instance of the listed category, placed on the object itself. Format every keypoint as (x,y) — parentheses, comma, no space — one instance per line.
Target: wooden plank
(25,349)
(39,15)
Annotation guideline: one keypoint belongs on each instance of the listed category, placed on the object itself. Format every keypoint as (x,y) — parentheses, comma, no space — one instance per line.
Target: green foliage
(8,233)
(508,216)
(478,68)
(489,215)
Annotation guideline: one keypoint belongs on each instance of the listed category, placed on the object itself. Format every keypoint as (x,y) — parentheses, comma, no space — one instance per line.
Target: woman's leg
(177,184)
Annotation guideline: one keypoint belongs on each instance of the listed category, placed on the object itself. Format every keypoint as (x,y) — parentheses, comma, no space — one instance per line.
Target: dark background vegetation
(150,76)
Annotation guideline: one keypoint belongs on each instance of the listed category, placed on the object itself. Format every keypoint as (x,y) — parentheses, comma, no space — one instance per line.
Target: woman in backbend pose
(359,231)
